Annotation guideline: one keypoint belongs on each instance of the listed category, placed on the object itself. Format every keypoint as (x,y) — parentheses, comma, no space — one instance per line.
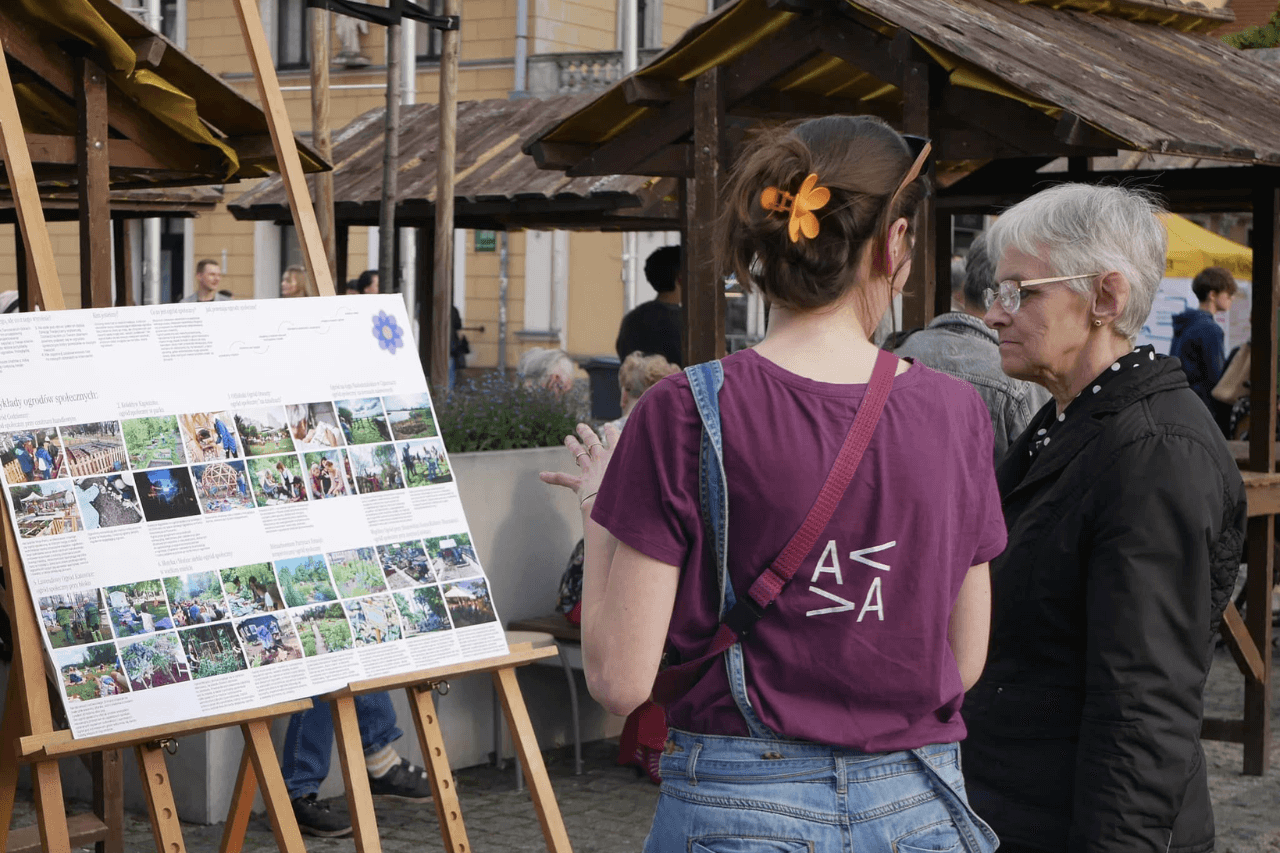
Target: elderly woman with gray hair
(1126,518)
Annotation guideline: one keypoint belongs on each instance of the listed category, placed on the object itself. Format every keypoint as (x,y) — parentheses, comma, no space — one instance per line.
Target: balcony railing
(568,73)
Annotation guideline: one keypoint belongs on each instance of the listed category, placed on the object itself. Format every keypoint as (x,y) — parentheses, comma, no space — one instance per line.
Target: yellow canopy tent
(1192,248)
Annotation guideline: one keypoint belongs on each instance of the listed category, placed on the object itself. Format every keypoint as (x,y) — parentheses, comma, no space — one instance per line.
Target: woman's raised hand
(591,453)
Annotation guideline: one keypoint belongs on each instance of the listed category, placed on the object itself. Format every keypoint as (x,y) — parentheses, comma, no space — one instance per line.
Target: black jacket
(1125,535)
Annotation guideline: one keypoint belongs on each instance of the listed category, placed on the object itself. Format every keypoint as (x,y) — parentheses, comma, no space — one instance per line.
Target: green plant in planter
(498,413)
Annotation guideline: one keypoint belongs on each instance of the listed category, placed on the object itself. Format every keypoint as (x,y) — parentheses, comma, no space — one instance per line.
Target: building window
(292,37)
(642,25)
(427,38)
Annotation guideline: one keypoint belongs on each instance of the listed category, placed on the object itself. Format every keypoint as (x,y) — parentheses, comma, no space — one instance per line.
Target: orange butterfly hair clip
(801,206)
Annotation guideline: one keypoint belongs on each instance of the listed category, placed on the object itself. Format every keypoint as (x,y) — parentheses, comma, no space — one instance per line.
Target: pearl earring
(1097,322)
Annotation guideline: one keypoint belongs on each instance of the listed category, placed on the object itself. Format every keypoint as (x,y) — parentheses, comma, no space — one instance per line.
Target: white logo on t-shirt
(829,562)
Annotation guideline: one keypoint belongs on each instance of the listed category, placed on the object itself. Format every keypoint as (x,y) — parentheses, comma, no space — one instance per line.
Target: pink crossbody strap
(738,622)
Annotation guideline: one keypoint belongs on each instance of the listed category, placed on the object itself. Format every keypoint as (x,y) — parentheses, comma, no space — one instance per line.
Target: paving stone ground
(609,808)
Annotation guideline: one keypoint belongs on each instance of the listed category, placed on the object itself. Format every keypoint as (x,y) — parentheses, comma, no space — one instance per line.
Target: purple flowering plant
(495,412)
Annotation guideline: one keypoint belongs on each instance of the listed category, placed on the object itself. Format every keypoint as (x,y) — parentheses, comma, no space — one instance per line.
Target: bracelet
(583,502)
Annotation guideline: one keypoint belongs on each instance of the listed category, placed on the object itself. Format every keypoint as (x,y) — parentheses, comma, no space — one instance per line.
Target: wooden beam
(651,92)
(49,150)
(704,293)
(670,161)
(557,155)
(773,104)
(1246,655)
(442,276)
(93,173)
(921,84)
(426,262)
(1231,731)
(122,252)
(149,50)
(787,49)
(304,215)
(321,139)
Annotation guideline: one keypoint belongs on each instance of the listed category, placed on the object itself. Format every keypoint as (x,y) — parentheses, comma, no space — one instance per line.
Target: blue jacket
(1198,344)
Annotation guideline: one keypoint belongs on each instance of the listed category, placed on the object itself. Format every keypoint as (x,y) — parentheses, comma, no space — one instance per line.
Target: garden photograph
(46,509)
(326,474)
(154,661)
(138,608)
(425,463)
(268,639)
(212,650)
(152,442)
(322,628)
(251,589)
(305,580)
(196,598)
(314,426)
(74,618)
(410,416)
(362,421)
(90,672)
(277,480)
(453,557)
(264,432)
(373,620)
(376,468)
(405,564)
(209,436)
(167,494)
(422,611)
(222,487)
(356,572)
(469,603)
(93,448)
(108,500)
(30,455)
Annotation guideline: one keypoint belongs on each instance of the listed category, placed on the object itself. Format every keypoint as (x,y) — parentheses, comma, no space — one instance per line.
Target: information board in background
(1175,296)
(224,505)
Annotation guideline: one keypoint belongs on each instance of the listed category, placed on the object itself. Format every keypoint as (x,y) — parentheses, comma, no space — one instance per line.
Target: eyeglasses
(1009,292)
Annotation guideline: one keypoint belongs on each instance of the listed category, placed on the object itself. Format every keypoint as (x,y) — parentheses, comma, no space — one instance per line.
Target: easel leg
(159,793)
(242,795)
(443,794)
(346,727)
(535,771)
(108,799)
(257,740)
(10,731)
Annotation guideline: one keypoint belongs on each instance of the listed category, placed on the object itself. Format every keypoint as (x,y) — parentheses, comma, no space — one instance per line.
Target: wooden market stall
(497,186)
(1002,88)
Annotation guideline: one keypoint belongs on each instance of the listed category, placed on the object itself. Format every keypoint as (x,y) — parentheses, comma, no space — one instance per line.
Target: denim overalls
(766,793)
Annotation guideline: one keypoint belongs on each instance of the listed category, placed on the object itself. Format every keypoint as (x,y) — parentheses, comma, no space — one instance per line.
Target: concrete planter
(524,531)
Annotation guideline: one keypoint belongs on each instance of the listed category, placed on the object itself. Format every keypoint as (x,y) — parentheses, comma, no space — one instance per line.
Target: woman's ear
(899,247)
(1110,298)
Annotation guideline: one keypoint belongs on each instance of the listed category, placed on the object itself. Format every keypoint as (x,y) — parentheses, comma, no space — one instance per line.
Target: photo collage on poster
(200,624)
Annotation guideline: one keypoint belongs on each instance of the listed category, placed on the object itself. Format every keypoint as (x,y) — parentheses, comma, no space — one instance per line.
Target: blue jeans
(308,743)
(732,794)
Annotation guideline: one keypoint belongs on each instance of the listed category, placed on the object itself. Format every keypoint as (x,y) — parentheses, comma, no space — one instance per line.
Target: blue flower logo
(390,336)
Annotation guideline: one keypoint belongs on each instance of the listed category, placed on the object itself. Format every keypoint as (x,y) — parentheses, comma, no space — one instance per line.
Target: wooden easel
(27,729)
(418,686)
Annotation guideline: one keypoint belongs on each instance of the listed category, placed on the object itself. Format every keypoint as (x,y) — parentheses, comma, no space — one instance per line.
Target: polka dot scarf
(1046,427)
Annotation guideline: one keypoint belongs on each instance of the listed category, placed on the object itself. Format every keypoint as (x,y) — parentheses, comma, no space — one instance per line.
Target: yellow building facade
(563,288)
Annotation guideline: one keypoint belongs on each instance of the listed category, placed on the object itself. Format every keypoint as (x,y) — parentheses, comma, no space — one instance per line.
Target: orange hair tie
(801,206)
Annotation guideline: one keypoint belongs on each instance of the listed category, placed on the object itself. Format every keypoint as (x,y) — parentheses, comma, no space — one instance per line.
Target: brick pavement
(608,808)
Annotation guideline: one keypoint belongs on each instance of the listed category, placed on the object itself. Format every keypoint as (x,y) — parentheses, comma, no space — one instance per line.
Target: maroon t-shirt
(854,651)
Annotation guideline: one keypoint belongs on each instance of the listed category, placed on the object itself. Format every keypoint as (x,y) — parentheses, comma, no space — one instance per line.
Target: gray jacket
(962,346)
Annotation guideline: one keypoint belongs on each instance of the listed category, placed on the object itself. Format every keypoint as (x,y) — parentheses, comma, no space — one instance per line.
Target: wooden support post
(123,257)
(284,826)
(704,292)
(343,247)
(93,175)
(426,262)
(107,770)
(241,810)
(304,215)
(390,161)
(442,279)
(346,727)
(165,827)
(1262,457)
(11,727)
(918,300)
(526,746)
(42,268)
(443,792)
(321,141)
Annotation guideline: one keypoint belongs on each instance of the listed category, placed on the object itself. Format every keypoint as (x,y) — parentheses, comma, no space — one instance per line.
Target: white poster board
(1175,296)
(225,505)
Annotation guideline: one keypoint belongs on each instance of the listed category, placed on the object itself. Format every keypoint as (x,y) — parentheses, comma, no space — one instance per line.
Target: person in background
(1197,338)
(208,277)
(657,327)
(295,282)
(960,344)
(459,346)
(638,373)
(547,368)
(367,282)
(1126,517)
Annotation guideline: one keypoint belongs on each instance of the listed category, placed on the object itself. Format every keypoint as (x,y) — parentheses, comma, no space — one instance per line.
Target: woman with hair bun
(818,646)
